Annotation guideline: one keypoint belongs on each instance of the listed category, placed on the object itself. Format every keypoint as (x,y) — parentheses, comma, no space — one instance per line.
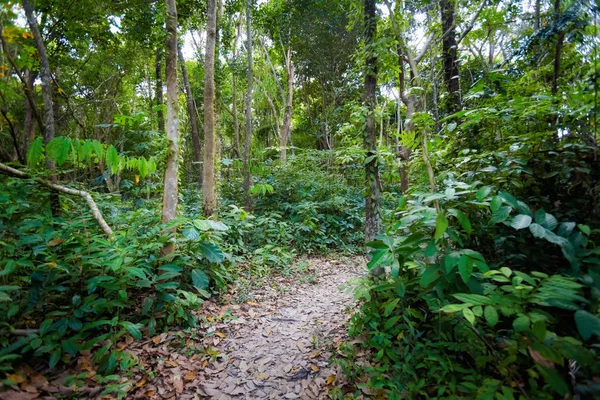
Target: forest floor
(277,346)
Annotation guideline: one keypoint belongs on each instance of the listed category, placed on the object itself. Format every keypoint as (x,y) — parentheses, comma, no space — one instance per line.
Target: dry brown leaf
(149,393)
(314,368)
(55,242)
(141,383)
(16,378)
(190,376)
(315,354)
(178,384)
(251,303)
(171,363)
(205,363)
(221,334)
(261,375)
(330,379)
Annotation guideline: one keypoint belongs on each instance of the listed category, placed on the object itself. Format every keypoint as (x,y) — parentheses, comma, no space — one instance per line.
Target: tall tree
(158,90)
(171,189)
(450,54)
(372,196)
(49,130)
(248,140)
(236,124)
(209,199)
(287,116)
(191,107)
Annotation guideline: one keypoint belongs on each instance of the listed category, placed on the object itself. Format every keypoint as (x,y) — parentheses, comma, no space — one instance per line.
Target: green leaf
(491,315)
(191,233)
(390,307)
(70,347)
(430,275)
(469,316)
(537,231)
(521,323)
(483,192)
(500,215)
(54,357)
(465,268)
(472,299)
(588,324)
(539,330)
(200,279)
(441,224)
(58,149)
(521,221)
(509,199)
(133,329)
(585,229)
(34,153)
(495,203)
(431,249)
(112,159)
(211,251)
(464,221)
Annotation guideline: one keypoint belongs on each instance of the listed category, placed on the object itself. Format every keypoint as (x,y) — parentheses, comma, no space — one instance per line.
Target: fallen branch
(88,197)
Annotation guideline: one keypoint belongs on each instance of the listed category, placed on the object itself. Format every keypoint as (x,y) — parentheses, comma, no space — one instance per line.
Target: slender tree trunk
(192,115)
(209,199)
(372,196)
(171,189)
(558,49)
(536,16)
(28,124)
(450,55)
(287,118)
(46,77)
(158,90)
(236,124)
(248,139)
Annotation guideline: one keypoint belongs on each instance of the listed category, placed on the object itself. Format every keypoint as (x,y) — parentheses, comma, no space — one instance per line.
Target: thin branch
(11,128)
(88,197)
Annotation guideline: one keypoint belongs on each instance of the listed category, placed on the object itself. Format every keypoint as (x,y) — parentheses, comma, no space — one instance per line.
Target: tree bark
(158,90)
(450,55)
(171,189)
(192,115)
(536,16)
(46,78)
(558,49)
(248,139)
(372,195)
(236,124)
(287,117)
(88,198)
(28,124)
(209,196)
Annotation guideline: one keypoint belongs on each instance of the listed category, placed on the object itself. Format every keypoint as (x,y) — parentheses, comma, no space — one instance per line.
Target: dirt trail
(280,346)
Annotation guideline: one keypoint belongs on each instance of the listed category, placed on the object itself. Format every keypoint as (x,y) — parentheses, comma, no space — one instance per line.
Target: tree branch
(88,197)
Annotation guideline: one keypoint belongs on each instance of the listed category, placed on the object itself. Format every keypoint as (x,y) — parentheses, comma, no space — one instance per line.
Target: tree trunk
(46,78)
(558,49)
(536,16)
(236,124)
(287,118)
(209,196)
(372,196)
(158,90)
(171,190)
(248,139)
(450,55)
(192,115)
(28,124)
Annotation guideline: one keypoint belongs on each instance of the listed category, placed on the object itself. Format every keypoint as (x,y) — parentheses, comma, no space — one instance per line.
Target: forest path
(277,346)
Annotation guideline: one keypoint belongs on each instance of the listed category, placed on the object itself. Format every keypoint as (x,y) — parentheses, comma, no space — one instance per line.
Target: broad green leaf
(465,268)
(537,231)
(483,192)
(58,149)
(587,324)
(509,199)
(430,275)
(491,315)
(431,249)
(133,329)
(585,229)
(211,251)
(34,152)
(390,307)
(521,221)
(469,316)
(54,357)
(496,203)
(200,279)
(473,299)
(500,215)
(191,233)
(112,159)
(441,224)
(521,323)
(464,221)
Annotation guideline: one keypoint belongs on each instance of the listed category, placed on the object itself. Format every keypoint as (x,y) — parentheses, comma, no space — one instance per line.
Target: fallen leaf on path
(190,376)
(221,334)
(251,303)
(330,379)
(314,368)
(261,375)
(315,354)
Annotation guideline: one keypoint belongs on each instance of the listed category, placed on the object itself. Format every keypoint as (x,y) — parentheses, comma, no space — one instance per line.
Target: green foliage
(449,321)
